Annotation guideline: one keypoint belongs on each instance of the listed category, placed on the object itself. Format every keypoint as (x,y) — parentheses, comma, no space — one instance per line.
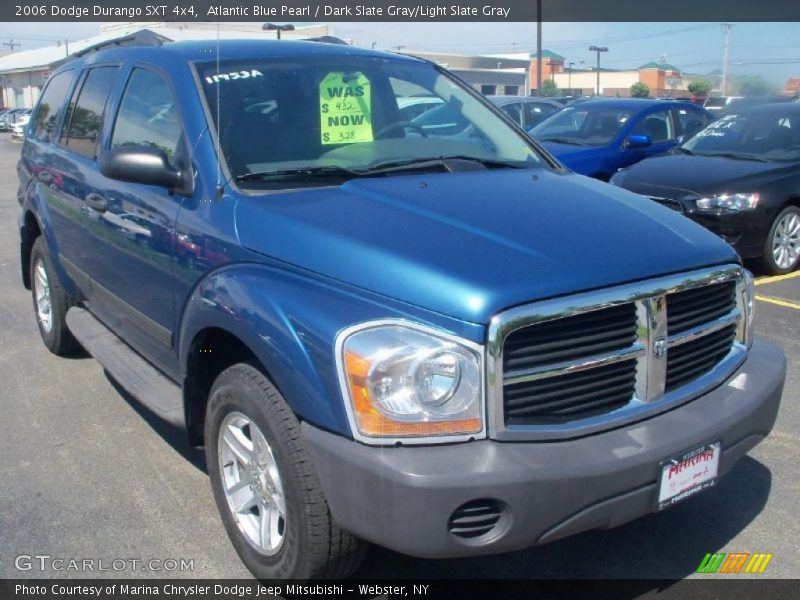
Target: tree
(752,85)
(700,87)
(549,88)
(640,90)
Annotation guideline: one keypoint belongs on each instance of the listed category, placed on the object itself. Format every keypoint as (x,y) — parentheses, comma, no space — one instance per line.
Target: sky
(768,49)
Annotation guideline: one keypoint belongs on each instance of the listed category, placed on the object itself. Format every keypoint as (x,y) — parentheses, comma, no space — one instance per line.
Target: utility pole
(598,49)
(727,29)
(569,77)
(538,47)
(11,44)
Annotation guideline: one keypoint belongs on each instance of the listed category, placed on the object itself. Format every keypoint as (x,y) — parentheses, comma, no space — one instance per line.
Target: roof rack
(143,37)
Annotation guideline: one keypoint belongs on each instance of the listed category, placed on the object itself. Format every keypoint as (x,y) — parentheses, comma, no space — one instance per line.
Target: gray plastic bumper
(402,497)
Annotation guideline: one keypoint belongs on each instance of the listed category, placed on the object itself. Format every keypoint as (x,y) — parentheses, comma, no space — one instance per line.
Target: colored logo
(734,562)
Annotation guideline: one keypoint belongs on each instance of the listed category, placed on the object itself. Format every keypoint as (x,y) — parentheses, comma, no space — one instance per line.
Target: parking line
(779,302)
(776,278)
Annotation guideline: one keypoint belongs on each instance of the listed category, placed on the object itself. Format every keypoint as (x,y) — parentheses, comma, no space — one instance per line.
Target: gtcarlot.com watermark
(58,564)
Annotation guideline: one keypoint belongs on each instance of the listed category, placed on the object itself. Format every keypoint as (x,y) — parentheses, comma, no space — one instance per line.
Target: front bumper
(745,231)
(403,497)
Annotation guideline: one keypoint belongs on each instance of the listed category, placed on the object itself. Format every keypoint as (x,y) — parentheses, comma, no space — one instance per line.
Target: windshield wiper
(439,161)
(738,156)
(559,140)
(683,150)
(328,172)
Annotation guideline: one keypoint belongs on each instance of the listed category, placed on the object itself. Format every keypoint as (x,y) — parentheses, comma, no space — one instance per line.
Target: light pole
(598,49)
(277,28)
(569,77)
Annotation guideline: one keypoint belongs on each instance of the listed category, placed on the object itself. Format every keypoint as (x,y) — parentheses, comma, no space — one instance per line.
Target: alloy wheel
(44,307)
(786,241)
(252,483)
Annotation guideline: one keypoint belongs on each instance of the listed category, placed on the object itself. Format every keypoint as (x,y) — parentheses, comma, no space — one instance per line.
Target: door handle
(96,202)
(45,177)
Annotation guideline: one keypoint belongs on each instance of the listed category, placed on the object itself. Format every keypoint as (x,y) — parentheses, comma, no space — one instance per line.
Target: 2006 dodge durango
(441,342)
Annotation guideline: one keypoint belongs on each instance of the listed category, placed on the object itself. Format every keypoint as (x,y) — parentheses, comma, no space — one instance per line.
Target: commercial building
(502,74)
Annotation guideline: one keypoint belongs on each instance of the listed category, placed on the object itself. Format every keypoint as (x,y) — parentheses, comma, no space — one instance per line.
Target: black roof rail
(143,37)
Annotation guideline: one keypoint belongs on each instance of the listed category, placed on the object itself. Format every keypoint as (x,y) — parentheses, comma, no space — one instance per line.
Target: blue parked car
(598,137)
(447,345)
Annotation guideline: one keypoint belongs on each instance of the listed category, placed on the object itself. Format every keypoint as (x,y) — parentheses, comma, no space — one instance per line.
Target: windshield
(342,116)
(584,125)
(772,136)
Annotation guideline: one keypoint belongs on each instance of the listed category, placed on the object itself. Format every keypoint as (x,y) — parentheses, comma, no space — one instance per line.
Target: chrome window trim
(650,398)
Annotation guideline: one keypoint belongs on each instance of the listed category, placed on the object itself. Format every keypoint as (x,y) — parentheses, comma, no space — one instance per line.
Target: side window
(691,121)
(657,125)
(147,114)
(50,104)
(87,109)
(536,112)
(514,111)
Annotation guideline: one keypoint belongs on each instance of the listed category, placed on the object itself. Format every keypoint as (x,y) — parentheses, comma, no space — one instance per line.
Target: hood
(680,176)
(470,244)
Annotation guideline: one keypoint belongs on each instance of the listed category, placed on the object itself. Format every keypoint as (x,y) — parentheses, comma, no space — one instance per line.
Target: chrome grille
(577,364)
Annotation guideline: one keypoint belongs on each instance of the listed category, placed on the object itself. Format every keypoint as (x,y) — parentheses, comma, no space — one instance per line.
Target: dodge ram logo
(660,347)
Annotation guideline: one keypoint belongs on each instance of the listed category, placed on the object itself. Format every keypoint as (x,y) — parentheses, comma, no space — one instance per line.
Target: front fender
(289,320)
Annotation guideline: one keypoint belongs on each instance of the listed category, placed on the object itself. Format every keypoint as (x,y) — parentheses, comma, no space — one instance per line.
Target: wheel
(50,302)
(782,248)
(264,484)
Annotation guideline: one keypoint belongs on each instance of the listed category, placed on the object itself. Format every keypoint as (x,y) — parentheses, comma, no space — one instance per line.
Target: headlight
(749,305)
(405,381)
(728,202)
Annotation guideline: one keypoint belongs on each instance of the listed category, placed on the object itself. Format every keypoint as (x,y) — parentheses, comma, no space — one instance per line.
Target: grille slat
(570,338)
(580,394)
(475,518)
(697,357)
(692,307)
(548,388)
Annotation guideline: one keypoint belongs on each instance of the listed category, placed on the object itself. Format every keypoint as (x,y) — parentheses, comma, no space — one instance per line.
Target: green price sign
(345,108)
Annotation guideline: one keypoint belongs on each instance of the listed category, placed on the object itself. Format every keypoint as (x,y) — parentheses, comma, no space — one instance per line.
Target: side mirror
(638,141)
(142,164)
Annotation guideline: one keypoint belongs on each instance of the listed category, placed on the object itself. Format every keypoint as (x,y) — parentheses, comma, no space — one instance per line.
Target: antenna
(11,44)
(219,190)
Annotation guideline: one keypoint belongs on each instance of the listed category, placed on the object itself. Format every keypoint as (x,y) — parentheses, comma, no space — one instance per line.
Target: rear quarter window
(85,119)
(51,104)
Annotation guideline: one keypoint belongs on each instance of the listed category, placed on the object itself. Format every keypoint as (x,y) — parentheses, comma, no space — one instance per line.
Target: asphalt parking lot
(87,474)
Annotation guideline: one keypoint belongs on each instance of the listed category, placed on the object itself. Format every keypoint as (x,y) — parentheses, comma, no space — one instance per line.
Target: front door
(131,270)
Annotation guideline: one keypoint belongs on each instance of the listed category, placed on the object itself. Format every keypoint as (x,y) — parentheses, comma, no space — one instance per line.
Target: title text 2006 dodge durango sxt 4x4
(447,345)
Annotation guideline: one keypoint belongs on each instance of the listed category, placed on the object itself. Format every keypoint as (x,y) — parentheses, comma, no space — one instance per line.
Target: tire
(46,286)
(244,405)
(783,234)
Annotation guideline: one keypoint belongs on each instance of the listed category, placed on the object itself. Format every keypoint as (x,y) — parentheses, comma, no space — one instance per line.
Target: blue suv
(599,137)
(445,345)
